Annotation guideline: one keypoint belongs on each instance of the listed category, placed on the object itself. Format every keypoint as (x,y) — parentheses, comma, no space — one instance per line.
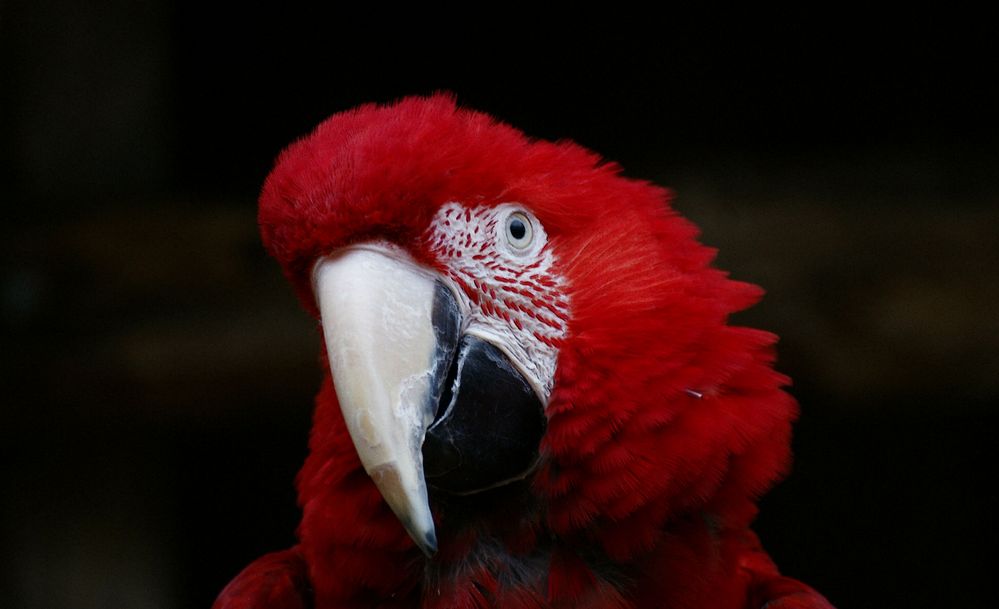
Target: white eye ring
(519,231)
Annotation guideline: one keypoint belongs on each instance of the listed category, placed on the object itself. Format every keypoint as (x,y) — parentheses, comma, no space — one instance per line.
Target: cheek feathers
(517,300)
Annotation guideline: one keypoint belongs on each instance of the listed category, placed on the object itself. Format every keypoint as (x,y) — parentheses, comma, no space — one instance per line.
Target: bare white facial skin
(498,257)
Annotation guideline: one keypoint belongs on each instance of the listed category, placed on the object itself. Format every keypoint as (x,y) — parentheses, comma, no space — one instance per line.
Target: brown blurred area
(158,373)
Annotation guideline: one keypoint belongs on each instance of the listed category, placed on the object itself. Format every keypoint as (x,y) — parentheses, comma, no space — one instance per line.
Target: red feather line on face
(637,472)
(515,294)
(506,286)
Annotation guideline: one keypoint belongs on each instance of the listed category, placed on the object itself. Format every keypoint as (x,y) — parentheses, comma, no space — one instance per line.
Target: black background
(158,374)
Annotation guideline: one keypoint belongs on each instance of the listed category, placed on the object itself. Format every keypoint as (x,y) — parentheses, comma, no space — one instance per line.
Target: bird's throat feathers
(500,555)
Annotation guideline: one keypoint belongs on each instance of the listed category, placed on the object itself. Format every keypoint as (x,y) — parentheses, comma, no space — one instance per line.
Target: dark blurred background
(158,374)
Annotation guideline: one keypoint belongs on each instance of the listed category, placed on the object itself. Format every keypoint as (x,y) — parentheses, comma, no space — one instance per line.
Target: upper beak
(391,329)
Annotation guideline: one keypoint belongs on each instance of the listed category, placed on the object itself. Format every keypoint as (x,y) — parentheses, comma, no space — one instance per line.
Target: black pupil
(517,228)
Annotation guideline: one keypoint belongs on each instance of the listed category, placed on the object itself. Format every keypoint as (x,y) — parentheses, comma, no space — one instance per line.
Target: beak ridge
(387,357)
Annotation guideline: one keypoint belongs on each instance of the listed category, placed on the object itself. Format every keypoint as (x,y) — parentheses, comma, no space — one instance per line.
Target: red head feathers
(660,424)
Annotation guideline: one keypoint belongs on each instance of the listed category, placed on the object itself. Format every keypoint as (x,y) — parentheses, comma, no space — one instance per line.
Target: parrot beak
(391,329)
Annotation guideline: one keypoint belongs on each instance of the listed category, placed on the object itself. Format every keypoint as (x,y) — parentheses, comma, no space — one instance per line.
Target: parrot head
(499,311)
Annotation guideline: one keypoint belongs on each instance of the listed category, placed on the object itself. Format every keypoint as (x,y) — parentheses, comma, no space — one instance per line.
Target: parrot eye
(519,232)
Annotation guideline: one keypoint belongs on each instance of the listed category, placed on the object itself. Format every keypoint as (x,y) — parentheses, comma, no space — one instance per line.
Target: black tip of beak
(429,545)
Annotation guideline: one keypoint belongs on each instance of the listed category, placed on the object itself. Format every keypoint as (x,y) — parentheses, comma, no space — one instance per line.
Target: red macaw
(532,396)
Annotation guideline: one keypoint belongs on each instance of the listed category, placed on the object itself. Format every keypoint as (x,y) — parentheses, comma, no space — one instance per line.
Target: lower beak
(391,330)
